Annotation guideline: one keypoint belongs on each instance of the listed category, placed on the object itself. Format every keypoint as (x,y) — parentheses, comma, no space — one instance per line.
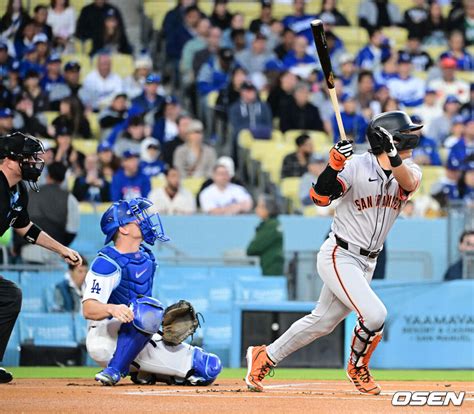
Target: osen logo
(430,398)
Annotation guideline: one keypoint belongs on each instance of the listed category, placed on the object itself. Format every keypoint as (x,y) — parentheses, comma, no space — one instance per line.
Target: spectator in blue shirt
(426,152)
(355,124)
(466,244)
(215,74)
(42,48)
(5,60)
(149,100)
(377,50)
(298,56)
(299,21)
(464,148)
(466,183)
(129,182)
(150,163)
(24,38)
(457,51)
(53,77)
(30,62)
(180,34)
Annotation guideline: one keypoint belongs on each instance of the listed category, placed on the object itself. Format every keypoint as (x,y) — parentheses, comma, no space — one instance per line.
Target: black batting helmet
(394,122)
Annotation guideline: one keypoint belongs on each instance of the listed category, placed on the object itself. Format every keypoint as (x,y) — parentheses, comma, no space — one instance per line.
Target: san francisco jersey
(371,201)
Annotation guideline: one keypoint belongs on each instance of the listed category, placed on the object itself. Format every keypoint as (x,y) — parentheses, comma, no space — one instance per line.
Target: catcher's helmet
(394,122)
(133,211)
(25,149)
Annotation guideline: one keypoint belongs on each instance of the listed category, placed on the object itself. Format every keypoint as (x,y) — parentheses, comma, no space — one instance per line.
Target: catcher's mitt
(179,321)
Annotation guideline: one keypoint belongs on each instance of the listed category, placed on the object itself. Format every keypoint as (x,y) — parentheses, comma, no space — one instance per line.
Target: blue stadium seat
(47,329)
(11,275)
(35,287)
(217,335)
(12,353)
(263,289)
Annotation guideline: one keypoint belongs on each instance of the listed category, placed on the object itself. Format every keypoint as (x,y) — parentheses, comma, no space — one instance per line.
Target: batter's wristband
(395,161)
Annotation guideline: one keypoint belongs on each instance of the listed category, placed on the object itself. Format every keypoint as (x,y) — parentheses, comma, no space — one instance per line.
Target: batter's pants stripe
(340,281)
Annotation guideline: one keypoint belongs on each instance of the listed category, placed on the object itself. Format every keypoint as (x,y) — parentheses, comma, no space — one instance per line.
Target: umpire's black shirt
(13,205)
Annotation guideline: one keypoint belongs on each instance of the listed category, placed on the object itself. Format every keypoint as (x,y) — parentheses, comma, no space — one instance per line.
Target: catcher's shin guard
(364,342)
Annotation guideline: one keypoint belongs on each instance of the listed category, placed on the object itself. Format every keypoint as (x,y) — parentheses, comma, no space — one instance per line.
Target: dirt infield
(226,396)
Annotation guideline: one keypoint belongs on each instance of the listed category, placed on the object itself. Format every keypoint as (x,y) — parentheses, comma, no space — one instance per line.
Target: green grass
(283,374)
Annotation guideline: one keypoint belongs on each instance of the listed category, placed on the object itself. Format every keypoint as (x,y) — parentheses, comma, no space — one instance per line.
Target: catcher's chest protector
(138,270)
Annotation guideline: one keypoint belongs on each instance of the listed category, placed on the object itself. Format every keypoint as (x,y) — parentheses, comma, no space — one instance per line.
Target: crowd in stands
(182,107)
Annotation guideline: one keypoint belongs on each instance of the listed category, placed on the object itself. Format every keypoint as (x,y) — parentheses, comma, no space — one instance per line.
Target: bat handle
(335,105)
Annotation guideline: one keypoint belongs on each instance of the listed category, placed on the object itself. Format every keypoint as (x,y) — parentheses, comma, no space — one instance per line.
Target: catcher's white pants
(174,361)
(346,288)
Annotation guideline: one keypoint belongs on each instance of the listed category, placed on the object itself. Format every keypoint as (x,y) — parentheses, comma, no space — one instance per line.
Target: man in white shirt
(173,198)
(448,84)
(100,85)
(223,197)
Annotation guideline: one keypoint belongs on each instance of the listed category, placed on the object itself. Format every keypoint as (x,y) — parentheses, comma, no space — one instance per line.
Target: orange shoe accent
(259,366)
(363,381)
(372,346)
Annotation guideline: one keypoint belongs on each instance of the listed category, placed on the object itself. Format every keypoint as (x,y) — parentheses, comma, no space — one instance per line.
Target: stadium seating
(290,187)
(47,329)
(34,286)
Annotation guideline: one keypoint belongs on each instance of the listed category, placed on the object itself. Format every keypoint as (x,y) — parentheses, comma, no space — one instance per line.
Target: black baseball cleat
(5,376)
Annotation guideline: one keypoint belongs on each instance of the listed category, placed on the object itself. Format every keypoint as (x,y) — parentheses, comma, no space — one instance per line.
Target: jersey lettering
(95,287)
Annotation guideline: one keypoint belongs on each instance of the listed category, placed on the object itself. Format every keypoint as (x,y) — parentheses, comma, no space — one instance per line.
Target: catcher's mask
(394,122)
(134,211)
(26,150)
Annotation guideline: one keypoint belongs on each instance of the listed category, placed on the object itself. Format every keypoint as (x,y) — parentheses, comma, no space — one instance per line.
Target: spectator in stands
(114,114)
(15,17)
(214,43)
(215,74)
(298,56)
(231,94)
(64,152)
(457,132)
(466,183)
(365,95)
(53,79)
(91,185)
(267,244)
(113,37)
(296,163)
(287,43)
(329,11)
(378,13)
(237,24)
(316,165)
(420,60)
(40,17)
(170,147)
(348,73)
(131,138)
(436,26)
(370,57)
(68,293)
(254,59)
(467,110)
(464,148)
(221,16)
(6,60)
(6,121)
(194,158)
(41,43)
(223,197)
(281,95)
(448,84)
(109,163)
(415,19)
(91,20)
(463,20)
(71,114)
(150,163)
(72,74)
(129,182)
(56,211)
(101,84)
(446,189)
(199,42)
(31,87)
(62,19)
(355,124)
(457,51)
(30,62)
(24,39)
(429,109)
(173,198)
(407,89)
(466,244)
(250,113)
(165,127)
(301,114)
(426,152)
(174,17)
(441,126)
(299,21)
(26,120)
(133,84)
(149,100)
(265,19)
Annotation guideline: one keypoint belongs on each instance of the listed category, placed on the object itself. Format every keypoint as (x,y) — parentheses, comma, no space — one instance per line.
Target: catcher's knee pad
(206,367)
(148,314)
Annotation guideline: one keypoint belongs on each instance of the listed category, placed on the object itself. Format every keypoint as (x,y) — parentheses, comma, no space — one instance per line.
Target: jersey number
(95,287)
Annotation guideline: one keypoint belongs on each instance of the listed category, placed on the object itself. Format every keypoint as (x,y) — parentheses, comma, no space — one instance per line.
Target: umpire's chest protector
(138,271)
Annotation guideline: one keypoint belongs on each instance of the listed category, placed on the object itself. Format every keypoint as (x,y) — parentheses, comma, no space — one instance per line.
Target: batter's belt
(356,249)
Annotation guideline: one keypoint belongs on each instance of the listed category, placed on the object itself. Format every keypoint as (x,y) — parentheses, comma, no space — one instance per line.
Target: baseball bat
(323,54)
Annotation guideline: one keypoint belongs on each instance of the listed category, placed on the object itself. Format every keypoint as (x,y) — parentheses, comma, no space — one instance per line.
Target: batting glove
(389,147)
(339,154)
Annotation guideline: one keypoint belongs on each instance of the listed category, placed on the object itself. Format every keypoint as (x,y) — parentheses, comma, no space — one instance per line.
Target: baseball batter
(373,188)
(125,321)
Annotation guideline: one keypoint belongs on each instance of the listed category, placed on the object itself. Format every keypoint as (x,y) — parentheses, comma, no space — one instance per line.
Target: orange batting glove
(339,154)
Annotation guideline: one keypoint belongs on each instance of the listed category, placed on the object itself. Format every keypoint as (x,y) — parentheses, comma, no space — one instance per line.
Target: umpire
(20,161)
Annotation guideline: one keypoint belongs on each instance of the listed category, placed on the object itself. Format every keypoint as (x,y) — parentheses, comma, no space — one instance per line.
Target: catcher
(129,331)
